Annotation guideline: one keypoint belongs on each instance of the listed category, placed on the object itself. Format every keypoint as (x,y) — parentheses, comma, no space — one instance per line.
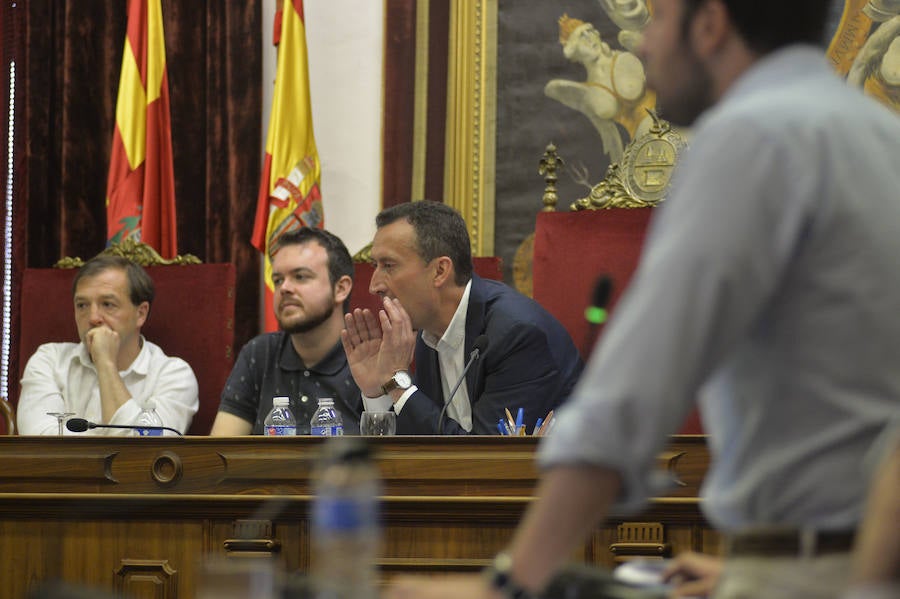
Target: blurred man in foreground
(767,291)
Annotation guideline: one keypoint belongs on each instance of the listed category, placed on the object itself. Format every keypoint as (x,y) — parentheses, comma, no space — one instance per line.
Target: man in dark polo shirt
(312,274)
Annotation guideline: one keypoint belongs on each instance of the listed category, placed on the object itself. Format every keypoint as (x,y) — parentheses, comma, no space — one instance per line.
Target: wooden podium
(136,515)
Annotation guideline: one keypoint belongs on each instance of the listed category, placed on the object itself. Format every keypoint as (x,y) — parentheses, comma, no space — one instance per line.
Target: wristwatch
(499,578)
(400,380)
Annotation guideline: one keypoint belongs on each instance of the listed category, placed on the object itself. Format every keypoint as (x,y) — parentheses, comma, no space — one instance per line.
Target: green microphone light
(596,313)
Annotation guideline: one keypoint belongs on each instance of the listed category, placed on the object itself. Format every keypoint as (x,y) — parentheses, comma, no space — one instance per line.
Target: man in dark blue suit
(434,308)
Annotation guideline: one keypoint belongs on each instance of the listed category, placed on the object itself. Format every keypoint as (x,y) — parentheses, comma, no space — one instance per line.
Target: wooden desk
(134,515)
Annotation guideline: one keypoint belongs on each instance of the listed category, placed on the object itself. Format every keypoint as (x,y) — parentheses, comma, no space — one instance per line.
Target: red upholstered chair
(192,317)
(572,250)
(487,267)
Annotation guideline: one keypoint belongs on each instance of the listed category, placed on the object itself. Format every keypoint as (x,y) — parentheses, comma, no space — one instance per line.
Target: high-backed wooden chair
(7,418)
(192,317)
(603,235)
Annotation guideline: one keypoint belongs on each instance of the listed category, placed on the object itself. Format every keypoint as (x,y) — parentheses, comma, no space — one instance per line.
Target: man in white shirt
(106,377)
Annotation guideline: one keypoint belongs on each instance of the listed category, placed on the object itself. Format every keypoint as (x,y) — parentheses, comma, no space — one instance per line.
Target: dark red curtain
(70,59)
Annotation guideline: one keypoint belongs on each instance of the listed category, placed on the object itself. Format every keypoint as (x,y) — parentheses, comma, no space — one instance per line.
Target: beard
(684,103)
(306,323)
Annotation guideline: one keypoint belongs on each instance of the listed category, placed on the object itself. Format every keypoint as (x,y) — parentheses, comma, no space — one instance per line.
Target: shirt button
(305,373)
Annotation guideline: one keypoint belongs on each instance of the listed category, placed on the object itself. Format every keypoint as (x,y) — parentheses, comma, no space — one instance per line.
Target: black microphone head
(596,312)
(77,425)
(602,291)
(481,343)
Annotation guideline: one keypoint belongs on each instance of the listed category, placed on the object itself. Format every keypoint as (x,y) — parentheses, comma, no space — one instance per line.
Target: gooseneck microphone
(79,425)
(481,343)
(596,312)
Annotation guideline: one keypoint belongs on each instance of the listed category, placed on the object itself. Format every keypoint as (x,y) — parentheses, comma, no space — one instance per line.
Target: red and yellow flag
(289,195)
(140,191)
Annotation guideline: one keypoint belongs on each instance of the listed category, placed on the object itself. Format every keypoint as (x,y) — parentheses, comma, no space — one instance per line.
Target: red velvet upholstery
(192,317)
(487,267)
(571,250)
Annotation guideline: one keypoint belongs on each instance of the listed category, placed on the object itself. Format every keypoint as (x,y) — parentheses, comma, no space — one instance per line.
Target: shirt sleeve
(175,392)
(41,393)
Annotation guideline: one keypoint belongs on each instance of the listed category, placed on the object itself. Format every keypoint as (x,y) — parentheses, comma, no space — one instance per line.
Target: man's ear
(710,28)
(342,289)
(443,271)
(143,310)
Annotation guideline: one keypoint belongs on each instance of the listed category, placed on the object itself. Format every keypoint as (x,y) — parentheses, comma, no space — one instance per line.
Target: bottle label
(344,513)
(327,431)
(149,432)
(280,430)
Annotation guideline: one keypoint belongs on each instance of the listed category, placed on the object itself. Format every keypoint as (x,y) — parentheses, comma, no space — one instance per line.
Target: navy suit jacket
(530,362)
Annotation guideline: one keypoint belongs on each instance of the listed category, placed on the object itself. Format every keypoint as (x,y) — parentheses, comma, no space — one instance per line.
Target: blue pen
(520,417)
(502,427)
(537,425)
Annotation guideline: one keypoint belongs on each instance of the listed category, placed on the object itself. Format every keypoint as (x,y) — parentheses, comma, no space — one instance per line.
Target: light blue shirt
(769,289)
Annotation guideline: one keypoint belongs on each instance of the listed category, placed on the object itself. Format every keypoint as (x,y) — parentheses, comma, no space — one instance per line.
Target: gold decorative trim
(469,162)
(641,178)
(549,164)
(420,101)
(137,252)
(364,255)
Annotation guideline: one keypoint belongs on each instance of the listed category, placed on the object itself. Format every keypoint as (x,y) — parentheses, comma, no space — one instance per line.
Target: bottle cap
(149,404)
(326,401)
(346,449)
(281,401)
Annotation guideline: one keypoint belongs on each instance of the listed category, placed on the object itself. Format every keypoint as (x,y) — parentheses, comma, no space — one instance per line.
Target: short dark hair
(140,285)
(440,231)
(339,261)
(768,25)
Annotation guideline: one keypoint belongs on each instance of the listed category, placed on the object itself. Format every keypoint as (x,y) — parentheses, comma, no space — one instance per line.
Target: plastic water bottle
(148,417)
(346,527)
(280,420)
(326,422)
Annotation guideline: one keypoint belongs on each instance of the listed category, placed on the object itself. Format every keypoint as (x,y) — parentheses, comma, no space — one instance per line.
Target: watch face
(403,379)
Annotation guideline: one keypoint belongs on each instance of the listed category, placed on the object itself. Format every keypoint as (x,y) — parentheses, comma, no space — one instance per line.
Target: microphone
(481,343)
(596,312)
(79,425)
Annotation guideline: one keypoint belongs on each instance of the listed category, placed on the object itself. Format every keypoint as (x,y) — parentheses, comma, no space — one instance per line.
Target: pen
(537,426)
(509,419)
(501,427)
(520,417)
(545,427)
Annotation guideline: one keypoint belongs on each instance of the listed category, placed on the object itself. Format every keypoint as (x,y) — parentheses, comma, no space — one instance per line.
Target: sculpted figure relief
(876,67)
(614,91)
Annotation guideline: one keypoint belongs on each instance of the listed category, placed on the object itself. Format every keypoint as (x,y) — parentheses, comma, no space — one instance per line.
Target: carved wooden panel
(146,579)
(141,515)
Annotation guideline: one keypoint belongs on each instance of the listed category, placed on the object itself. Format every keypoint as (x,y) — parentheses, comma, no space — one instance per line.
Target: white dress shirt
(60,377)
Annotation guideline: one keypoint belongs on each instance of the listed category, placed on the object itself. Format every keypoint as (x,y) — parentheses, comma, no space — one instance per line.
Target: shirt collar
(791,63)
(330,365)
(455,334)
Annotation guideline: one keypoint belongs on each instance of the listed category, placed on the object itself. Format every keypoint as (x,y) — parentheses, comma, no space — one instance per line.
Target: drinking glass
(61,418)
(378,424)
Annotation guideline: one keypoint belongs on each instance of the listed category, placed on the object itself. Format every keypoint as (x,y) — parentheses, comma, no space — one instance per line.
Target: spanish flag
(289,195)
(140,191)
